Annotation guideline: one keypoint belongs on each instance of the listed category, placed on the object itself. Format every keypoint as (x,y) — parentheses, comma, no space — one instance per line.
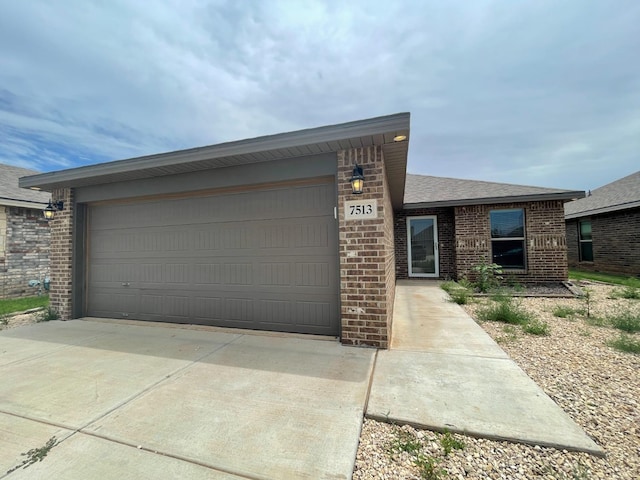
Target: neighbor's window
(586,245)
(507,238)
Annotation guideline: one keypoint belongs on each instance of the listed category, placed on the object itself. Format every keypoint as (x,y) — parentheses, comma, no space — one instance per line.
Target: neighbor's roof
(618,195)
(12,195)
(301,143)
(424,191)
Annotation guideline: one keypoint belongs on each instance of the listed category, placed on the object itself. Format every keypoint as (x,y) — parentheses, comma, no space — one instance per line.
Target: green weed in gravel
(428,467)
(405,442)
(625,343)
(631,290)
(459,294)
(448,286)
(625,321)
(563,311)
(47,315)
(506,311)
(450,443)
(536,327)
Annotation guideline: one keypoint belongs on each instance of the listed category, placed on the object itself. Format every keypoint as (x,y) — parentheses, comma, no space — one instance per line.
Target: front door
(422,246)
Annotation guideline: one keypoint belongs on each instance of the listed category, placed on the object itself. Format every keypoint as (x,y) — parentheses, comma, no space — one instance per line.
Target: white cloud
(498,90)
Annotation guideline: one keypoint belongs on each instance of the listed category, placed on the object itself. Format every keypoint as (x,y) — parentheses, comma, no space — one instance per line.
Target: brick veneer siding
(616,243)
(446,240)
(367,254)
(61,254)
(545,240)
(24,250)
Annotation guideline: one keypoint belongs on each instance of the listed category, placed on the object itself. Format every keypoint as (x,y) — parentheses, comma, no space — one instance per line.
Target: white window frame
(436,248)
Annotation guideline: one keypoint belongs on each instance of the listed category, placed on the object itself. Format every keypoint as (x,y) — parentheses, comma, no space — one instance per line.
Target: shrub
(507,312)
(626,321)
(536,327)
(489,275)
(625,343)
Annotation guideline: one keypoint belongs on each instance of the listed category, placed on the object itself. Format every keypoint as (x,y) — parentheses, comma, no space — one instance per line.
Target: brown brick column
(61,254)
(367,254)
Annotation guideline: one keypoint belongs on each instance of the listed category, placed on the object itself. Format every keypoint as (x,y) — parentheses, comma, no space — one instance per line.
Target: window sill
(507,271)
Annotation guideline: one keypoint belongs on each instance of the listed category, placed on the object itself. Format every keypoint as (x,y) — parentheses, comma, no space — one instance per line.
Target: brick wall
(61,254)
(24,250)
(446,240)
(367,254)
(573,249)
(616,243)
(546,252)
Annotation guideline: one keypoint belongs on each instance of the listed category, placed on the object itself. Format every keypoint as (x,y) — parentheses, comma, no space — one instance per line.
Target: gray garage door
(263,259)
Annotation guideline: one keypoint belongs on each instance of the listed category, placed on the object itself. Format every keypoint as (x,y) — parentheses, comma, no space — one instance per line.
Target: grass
(505,311)
(13,305)
(625,343)
(599,277)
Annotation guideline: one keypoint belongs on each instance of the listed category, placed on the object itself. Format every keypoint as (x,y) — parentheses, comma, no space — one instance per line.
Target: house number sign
(361,209)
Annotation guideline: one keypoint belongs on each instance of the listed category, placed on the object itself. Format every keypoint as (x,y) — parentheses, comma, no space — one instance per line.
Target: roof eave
(376,131)
(12,202)
(567,196)
(599,211)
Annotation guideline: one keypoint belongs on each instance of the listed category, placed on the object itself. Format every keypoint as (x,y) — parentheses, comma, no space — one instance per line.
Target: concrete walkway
(443,371)
(149,402)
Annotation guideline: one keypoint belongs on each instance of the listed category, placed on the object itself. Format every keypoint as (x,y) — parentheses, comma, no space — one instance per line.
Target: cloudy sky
(531,92)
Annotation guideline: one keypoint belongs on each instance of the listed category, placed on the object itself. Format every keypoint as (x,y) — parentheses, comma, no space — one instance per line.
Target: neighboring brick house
(468,222)
(24,234)
(267,234)
(603,229)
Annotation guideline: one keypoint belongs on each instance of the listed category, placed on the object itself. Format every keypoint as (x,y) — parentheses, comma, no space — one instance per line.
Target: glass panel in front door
(423,247)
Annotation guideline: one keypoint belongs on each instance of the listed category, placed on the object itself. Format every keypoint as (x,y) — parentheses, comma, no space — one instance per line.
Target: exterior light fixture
(50,210)
(357,180)
(399,138)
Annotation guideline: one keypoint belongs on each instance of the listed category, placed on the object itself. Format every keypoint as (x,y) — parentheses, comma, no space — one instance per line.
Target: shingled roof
(14,196)
(424,191)
(618,195)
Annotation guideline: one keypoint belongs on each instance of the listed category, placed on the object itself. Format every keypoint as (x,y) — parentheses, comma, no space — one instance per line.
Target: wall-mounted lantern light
(50,210)
(357,180)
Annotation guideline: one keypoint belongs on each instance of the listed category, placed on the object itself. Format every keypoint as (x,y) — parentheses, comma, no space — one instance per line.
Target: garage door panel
(260,259)
(300,202)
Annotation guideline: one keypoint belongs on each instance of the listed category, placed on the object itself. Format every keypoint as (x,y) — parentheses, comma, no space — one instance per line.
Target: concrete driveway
(149,402)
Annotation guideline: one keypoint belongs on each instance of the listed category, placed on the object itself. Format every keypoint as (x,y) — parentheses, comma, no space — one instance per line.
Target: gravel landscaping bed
(598,386)
(19,320)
